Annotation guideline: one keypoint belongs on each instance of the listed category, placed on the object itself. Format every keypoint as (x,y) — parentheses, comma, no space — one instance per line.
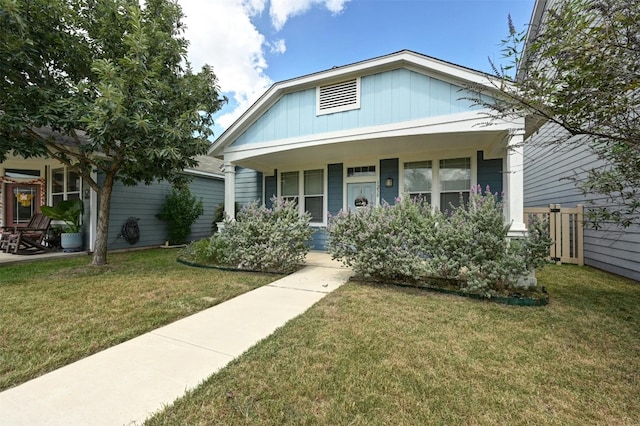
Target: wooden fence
(566,230)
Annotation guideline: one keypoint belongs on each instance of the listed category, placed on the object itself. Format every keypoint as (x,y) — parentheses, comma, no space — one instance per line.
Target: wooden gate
(566,230)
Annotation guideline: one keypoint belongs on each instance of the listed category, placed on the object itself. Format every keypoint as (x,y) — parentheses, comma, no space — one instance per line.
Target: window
(311,198)
(289,186)
(455,182)
(361,171)
(22,173)
(314,194)
(343,96)
(418,180)
(65,185)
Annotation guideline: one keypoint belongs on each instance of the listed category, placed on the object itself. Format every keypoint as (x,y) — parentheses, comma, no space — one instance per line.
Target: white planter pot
(71,241)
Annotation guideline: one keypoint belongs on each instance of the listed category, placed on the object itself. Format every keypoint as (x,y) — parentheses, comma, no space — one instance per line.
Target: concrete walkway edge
(129,382)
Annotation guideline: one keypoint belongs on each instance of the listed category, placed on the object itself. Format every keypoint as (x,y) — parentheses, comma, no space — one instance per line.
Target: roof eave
(391,61)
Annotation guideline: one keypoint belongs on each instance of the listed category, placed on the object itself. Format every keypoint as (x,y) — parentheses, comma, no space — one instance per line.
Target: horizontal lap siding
(546,169)
(319,239)
(248,186)
(145,201)
(211,191)
(614,250)
(141,201)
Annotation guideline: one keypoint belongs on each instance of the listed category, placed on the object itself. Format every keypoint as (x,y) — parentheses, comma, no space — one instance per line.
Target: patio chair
(26,240)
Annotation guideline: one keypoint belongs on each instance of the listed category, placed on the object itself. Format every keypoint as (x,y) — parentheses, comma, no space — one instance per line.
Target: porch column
(230,190)
(515,184)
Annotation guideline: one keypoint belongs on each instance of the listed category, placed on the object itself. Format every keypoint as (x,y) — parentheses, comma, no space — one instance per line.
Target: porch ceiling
(492,142)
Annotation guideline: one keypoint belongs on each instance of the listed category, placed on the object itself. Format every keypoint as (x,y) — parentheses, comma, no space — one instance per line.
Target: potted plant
(70,212)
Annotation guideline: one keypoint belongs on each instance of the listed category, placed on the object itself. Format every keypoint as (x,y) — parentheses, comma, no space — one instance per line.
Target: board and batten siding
(145,201)
(389,97)
(546,170)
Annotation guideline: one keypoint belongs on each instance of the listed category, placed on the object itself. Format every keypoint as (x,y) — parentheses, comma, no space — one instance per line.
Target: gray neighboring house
(546,169)
(27,184)
(145,202)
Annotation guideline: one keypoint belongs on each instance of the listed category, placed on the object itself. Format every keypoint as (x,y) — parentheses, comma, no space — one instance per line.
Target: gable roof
(446,71)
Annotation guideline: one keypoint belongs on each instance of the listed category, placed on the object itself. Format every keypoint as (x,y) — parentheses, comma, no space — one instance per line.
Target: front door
(22,201)
(361,194)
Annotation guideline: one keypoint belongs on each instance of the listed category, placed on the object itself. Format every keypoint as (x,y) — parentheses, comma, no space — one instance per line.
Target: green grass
(378,355)
(58,311)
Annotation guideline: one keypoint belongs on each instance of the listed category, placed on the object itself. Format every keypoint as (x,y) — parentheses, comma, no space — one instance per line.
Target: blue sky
(254,43)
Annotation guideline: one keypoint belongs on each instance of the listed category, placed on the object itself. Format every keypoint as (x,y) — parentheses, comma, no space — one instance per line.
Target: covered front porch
(28,184)
(438,159)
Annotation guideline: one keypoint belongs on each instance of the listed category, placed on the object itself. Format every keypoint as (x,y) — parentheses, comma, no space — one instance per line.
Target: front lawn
(376,355)
(58,311)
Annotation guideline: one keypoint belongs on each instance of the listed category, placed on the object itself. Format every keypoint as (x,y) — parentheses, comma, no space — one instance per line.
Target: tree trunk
(102,231)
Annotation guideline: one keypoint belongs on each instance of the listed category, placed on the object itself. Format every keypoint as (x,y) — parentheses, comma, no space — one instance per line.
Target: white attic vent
(343,96)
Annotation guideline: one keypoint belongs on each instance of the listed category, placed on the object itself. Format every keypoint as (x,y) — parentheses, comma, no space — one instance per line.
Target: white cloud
(281,10)
(222,35)
(278,46)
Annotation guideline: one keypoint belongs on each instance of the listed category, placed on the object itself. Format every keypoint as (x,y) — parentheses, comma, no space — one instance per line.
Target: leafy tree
(580,70)
(104,87)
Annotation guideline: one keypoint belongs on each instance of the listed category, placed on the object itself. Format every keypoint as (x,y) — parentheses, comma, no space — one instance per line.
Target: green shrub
(267,239)
(387,242)
(410,242)
(180,211)
(472,245)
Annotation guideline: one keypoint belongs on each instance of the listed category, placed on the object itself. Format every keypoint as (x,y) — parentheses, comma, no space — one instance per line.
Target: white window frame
(435,170)
(65,185)
(346,179)
(300,198)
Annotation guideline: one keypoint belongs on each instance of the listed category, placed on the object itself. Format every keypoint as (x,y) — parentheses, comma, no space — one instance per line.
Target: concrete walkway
(128,382)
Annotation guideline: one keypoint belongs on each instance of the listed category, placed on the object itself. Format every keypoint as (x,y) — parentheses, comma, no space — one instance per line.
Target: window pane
(22,173)
(313,182)
(449,199)
(314,206)
(361,171)
(455,174)
(417,176)
(421,196)
(57,184)
(56,199)
(73,182)
(289,184)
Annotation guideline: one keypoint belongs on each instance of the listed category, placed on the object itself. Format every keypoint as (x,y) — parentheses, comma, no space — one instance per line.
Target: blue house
(393,126)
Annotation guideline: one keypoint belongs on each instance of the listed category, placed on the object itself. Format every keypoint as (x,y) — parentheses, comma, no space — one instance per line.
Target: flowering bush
(265,239)
(409,241)
(386,241)
(473,246)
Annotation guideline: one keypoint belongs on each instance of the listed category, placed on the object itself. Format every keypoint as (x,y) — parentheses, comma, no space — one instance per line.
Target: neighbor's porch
(28,184)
